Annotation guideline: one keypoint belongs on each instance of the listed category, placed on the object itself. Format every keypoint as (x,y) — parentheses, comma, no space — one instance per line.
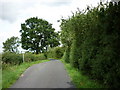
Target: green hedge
(33,57)
(66,56)
(9,59)
(95,48)
(56,52)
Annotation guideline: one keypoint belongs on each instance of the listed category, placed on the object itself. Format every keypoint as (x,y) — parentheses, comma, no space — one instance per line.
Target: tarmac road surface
(51,74)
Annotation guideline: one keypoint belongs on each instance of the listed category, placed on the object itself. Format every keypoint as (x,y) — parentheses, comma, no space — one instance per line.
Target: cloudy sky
(15,12)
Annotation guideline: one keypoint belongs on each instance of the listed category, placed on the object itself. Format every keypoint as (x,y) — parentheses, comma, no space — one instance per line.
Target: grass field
(79,80)
(12,73)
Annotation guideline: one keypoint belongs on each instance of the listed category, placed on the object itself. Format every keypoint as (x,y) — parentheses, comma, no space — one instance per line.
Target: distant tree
(11,45)
(37,35)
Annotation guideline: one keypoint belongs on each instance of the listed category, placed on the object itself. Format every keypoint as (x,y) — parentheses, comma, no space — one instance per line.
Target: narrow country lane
(50,74)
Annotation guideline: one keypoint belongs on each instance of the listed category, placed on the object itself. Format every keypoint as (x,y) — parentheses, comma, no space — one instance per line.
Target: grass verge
(79,80)
(12,73)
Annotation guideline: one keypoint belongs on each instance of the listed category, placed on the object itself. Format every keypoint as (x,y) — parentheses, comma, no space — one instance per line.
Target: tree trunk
(37,48)
(37,51)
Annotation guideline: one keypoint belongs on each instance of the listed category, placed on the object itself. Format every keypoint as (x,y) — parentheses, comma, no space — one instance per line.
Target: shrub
(11,58)
(56,52)
(28,57)
(74,54)
(40,56)
(33,57)
(66,56)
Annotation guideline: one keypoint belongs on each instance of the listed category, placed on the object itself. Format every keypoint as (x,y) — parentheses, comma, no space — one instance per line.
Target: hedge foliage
(94,36)
(66,54)
(56,52)
(33,57)
(9,58)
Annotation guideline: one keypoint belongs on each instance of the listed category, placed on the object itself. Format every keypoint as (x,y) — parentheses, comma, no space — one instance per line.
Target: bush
(11,58)
(74,55)
(28,57)
(40,57)
(56,52)
(66,56)
(33,57)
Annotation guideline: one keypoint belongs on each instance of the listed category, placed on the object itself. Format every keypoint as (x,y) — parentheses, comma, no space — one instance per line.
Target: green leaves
(94,42)
(11,44)
(37,35)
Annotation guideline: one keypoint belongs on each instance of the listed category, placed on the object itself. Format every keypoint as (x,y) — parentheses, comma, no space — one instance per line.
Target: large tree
(37,35)
(11,45)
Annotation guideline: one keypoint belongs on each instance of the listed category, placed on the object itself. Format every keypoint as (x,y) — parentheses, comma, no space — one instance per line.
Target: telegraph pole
(23,56)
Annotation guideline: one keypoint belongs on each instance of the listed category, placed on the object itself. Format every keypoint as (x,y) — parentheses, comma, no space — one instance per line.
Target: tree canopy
(11,45)
(37,35)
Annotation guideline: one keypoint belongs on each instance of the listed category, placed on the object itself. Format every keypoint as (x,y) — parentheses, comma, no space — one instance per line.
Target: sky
(15,12)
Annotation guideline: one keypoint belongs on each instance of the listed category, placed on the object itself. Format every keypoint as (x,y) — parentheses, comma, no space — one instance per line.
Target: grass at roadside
(79,80)
(12,73)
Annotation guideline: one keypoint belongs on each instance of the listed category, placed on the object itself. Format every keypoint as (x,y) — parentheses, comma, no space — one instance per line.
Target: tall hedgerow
(66,55)
(66,38)
(95,41)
